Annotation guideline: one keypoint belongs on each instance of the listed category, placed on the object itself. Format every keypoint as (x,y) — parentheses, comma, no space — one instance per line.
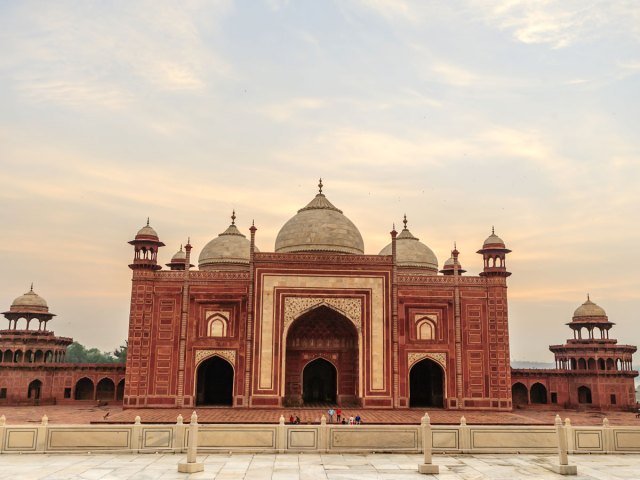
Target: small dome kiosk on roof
(319,227)
(589,310)
(147,233)
(493,240)
(411,252)
(226,250)
(29,301)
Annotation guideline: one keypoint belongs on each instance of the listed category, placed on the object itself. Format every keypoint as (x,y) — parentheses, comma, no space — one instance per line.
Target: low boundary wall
(331,438)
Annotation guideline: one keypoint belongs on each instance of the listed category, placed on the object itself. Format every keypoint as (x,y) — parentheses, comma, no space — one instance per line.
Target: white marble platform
(311,467)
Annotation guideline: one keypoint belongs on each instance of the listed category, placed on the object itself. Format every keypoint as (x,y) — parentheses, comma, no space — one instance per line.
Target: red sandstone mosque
(316,321)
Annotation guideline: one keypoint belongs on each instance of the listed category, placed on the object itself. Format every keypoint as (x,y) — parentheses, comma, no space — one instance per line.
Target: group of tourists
(343,419)
(294,419)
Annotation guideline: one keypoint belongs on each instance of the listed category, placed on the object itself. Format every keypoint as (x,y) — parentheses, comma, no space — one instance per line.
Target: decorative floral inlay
(296,306)
(438,357)
(229,355)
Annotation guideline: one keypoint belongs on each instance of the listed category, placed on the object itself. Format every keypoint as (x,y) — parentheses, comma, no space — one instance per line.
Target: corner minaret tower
(146,244)
(494,253)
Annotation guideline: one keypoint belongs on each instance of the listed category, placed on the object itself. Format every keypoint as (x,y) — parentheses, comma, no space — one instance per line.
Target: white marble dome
(319,227)
(229,248)
(589,309)
(411,252)
(493,239)
(29,300)
(180,256)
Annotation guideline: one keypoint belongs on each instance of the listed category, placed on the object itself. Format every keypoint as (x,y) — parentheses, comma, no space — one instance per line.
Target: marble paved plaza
(311,467)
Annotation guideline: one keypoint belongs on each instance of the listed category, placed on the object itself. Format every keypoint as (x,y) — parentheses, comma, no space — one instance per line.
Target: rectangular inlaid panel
(268,320)
(445,439)
(369,439)
(228,438)
(20,439)
(514,438)
(306,439)
(627,440)
(156,438)
(588,440)
(76,438)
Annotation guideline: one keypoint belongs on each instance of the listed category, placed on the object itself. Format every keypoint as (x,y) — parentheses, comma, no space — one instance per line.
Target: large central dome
(319,227)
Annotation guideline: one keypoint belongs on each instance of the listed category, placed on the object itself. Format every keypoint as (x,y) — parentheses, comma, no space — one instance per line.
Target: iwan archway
(426,384)
(214,384)
(321,364)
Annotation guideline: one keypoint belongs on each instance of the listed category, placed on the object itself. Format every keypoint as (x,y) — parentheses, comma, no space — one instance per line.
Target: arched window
(574,365)
(592,364)
(519,394)
(426,329)
(8,356)
(39,356)
(105,390)
(217,326)
(582,364)
(538,393)
(17,358)
(610,364)
(33,391)
(84,389)
(584,395)
(601,364)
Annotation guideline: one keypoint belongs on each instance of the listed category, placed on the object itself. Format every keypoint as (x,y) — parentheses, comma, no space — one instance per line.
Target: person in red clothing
(338,414)
(291,418)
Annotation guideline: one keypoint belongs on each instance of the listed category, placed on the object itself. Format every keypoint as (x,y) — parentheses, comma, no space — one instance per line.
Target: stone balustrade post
(3,422)
(427,443)
(178,434)
(465,435)
(568,428)
(192,465)
(136,434)
(607,436)
(563,467)
(322,434)
(41,438)
(282,435)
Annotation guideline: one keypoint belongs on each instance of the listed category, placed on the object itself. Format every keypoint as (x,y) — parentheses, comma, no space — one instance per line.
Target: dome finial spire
(31,287)
(147,221)
(493,230)
(320,186)
(588,299)
(405,221)
(233,217)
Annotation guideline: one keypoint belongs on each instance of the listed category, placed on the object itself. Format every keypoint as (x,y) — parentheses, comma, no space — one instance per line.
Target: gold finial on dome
(233,217)
(147,221)
(405,221)
(320,186)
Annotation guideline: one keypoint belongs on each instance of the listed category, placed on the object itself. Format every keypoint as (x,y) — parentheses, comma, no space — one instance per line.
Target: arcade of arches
(321,364)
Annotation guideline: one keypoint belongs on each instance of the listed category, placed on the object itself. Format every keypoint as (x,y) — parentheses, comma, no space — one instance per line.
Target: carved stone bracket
(440,358)
(349,307)
(229,355)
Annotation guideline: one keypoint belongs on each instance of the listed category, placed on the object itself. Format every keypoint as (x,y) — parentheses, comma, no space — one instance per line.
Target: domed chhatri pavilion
(33,366)
(317,321)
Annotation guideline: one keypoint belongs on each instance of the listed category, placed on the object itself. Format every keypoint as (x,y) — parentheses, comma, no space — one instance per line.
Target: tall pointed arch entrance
(426,384)
(214,384)
(321,364)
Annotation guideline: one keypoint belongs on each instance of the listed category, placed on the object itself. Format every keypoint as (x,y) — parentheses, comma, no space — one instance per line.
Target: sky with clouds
(521,114)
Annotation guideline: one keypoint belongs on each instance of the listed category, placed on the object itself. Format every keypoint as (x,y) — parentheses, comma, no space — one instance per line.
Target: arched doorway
(321,332)
(519,394)
(84,389)
(105,390)
(319,382)
(538,393)
(34,389)
(120,390)
(426,384)
(584,395)
(214,384)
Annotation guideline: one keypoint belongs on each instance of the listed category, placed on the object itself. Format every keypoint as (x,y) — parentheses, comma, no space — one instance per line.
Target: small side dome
(411,252)
(448,267)
(319,227)
(230,248)
(29,301)
(589,309)
(147,233)
(493,241)
(179,256)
